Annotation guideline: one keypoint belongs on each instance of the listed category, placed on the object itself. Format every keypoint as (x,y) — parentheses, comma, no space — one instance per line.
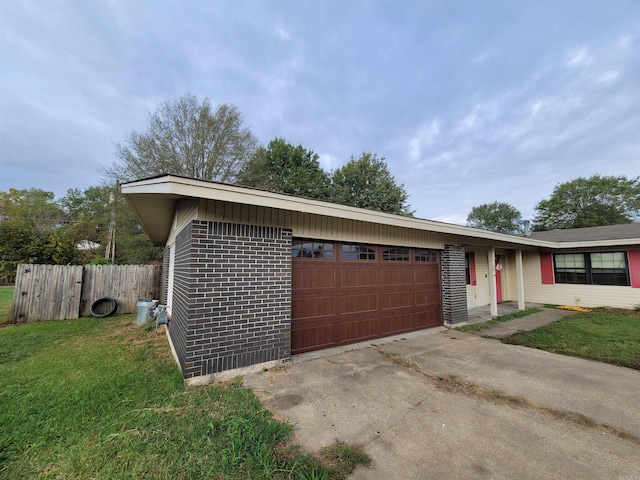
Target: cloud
(625,42)
(536,108)
(424,137)
(328,162)
(551,126)
(609,77)
(483,57)
(283,34)
(560,98)
(579,58)
(482,114)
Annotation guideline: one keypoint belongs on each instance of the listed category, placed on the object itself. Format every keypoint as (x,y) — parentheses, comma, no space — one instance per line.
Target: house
(252,277)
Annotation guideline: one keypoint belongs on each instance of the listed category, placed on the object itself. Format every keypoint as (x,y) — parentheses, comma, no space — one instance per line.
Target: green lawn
(103,399)
(605,335)
(6,297)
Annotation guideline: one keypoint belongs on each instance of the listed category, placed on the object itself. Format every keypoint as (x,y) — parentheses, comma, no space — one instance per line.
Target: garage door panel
(397,324)
(427,297)
(359,303)
(313,307)
(397,300)
(312,336)
(397,277)
(351,331)
(431,318)
(314,278)
(367,277)
(427,276)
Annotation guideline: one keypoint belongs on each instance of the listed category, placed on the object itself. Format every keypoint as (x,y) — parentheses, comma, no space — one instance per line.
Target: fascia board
(622,242)
(186,187)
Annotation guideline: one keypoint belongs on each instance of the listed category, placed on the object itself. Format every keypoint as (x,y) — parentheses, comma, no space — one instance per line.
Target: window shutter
(634,268)
(546,267)
(472,268)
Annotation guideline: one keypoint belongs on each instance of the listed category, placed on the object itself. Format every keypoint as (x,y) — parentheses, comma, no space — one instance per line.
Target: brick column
(454,290)
(233,296)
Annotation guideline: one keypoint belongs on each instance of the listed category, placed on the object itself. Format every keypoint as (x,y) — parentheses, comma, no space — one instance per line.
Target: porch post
(491,263)
(520,279)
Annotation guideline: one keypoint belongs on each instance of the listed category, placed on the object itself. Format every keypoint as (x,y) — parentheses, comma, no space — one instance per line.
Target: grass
(6,298)
(342,459)
(497,320)
(604,335)
(103,399)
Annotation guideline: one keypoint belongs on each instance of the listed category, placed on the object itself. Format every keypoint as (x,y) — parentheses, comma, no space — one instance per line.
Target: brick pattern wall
(234,295)
(454,291)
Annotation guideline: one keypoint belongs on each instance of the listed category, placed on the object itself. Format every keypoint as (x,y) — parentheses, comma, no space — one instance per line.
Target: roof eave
(171,188)
(185,187)
(621,242)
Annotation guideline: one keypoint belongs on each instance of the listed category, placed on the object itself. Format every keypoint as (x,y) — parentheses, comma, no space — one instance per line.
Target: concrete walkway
(414,430)
(524,324)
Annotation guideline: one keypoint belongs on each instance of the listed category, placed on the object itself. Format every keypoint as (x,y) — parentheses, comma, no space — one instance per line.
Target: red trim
(546,268)
(634,267)
(472,268)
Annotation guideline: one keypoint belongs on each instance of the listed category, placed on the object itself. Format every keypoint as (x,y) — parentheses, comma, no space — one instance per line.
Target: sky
(469,102)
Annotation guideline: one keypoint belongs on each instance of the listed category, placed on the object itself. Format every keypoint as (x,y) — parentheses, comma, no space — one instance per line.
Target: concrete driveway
(389,399)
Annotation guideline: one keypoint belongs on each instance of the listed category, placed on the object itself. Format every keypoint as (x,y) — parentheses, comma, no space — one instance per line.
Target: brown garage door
(346,293)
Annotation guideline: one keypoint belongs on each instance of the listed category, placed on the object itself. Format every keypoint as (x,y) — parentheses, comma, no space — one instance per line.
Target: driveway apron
(414,430)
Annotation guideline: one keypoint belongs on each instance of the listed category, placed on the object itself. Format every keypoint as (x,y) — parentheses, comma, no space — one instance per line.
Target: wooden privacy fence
(58,292)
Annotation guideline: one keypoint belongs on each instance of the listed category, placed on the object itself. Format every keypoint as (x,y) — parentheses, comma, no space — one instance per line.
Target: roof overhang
(154,202)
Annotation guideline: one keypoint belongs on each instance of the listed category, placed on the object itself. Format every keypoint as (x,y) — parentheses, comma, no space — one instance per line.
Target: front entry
(499,266)
(346,293)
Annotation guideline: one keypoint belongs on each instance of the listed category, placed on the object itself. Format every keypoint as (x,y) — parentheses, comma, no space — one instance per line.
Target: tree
(35,228)
(590,202)
(284,168)
(496,217)
(189,138)
(32,230)
(367,183)
(90,214)
(34,206)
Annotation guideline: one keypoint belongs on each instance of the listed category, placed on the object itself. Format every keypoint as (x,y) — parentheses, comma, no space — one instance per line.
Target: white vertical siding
(569,294)
(306,225)
(478,295)
(510,278)
(186,210)
(172,266)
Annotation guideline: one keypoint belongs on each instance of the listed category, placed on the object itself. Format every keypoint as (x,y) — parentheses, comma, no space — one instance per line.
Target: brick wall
(232,296)
(454,291)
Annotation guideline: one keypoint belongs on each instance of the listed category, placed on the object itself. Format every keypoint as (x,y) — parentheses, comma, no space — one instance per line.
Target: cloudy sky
(470,102)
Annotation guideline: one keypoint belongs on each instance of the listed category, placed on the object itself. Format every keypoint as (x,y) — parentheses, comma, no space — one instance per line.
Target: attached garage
(345,293)
(253,277)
